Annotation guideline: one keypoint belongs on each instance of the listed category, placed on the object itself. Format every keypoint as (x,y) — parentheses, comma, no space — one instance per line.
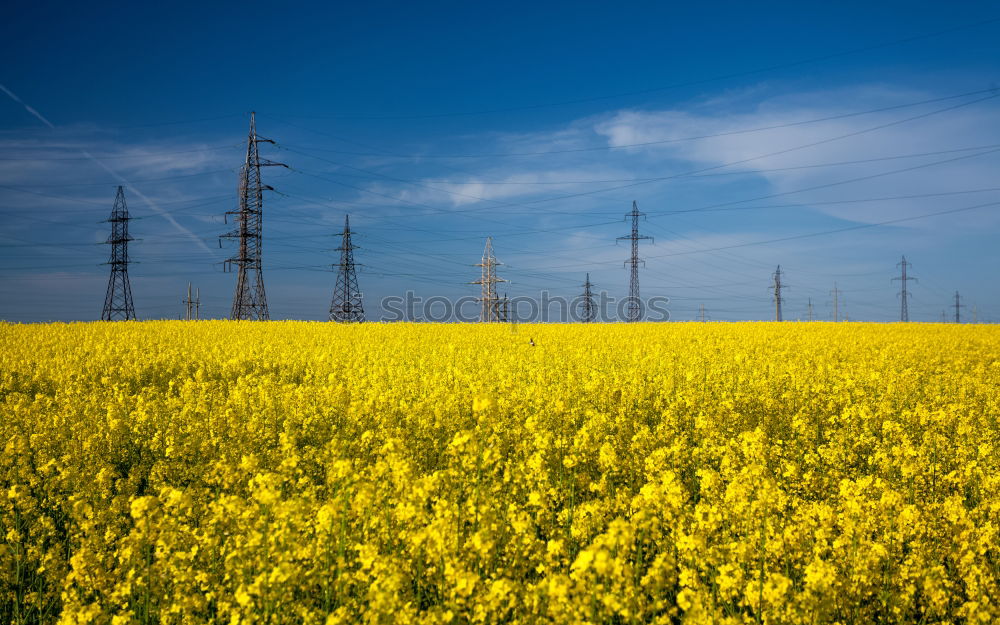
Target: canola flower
(295,472)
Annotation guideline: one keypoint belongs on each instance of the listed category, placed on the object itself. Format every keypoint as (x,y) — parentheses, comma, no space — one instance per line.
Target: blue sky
(750,138)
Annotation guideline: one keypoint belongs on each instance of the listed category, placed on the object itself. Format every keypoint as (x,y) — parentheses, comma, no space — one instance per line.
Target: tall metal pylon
(836,302)
(192,307)
(347,303)
(490,310)
(634,311)
(249,300)
(701,313)
(809,310)
(777,293)
(118,299)
(589,313)
(904,311)
(958,305)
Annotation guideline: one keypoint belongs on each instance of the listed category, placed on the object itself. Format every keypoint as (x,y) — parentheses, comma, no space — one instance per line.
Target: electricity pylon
(589,309)
(777,293)
(491,310)
(249,300)
(634,311)
(701,313)
(118,299)
(809,310)
(192,307)
(958,305)
(347,303)
(836,302)
(904,311)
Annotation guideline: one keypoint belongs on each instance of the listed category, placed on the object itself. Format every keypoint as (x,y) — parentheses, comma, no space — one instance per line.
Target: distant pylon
(118,299)
(249,300)
(958,305)
(777,293)
(836,302)
(701,313)
(634,311)
(347,303)
(192,307)
(809,310)
(490,309)
(975,314)
(904,311)
(589,313)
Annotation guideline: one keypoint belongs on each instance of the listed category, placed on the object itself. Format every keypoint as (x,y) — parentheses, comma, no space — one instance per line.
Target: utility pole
(836,302)
(249,300)
(634,312)
(490,311)
(904,312)
(118,299)
(347,303)
(589,309)
(777,293)
(809,310)
(701,313)
(957,306)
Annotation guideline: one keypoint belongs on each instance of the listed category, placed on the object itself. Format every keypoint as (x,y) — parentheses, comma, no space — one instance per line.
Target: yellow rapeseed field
(190,472)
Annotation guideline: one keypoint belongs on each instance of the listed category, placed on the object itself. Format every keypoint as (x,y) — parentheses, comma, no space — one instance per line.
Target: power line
(702,81)
(812,234)
(111,157)
(623,146)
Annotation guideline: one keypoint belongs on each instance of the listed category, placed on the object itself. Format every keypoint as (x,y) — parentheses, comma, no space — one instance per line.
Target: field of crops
(404,473)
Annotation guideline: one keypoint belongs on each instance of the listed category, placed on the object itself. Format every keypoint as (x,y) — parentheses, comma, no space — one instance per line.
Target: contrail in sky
(119,177)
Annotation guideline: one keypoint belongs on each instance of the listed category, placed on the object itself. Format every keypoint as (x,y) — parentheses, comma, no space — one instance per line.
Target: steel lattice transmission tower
(958,305)
(118,300)
(836,293)
(347,303)
(904,310)
(634,312)
(777,293)
(491,310)
(249,300)
(192,307)
(809,310)
(589,313)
